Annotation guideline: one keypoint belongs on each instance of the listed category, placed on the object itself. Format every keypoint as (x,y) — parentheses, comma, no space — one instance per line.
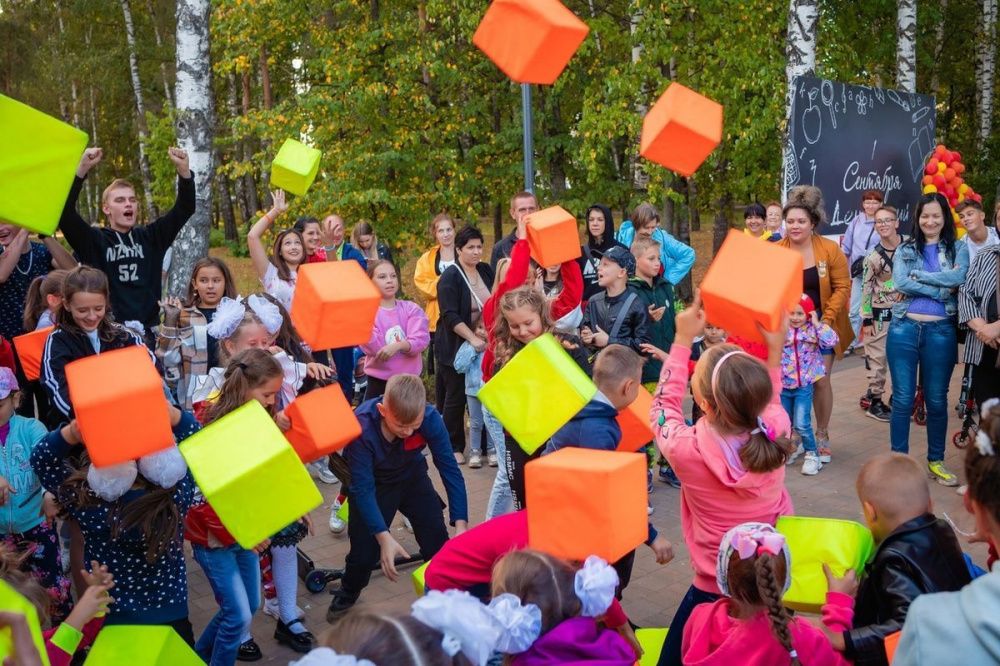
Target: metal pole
(529,147)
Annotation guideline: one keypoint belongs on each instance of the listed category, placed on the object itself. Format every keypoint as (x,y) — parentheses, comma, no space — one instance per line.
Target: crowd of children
(489,595)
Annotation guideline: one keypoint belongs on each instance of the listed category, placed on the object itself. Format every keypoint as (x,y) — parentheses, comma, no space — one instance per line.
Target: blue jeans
(929,350)
(476,424)
(501,500)
(854,311)
(798,403)
(234,574)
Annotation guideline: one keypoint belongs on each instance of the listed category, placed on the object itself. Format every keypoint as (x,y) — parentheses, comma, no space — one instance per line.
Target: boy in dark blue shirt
(389,474)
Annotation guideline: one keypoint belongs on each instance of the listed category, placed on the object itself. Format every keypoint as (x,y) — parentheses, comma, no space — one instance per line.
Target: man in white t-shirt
(977,234)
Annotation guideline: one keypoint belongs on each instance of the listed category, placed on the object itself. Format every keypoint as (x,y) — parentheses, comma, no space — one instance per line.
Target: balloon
(941,167)
(939,150)
(958,182)
(961,198)
(929,189)
(931,167)
(949,191)
(949,174)
(939,181)
(927,180)
(949,157)
(957,155)
(964,188)
(958,167)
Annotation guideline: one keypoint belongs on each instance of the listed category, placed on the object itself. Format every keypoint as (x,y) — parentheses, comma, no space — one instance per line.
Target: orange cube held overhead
(322,422)
(553,237)
(531,41)
(29,348)
(750,283)
(585,502)
(681,130)
(120,405)
(634,422)
(334,305)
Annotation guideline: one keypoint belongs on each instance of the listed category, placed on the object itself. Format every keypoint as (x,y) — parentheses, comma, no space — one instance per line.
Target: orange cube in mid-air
(531,41)
(553,237)
(634,422)
(29,348)
(334,305)
(322,422)
(681,130)
(750,283)
(120,405)
(585,502)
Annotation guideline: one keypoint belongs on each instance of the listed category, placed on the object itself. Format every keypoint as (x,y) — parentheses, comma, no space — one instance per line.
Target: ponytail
(246,371)
(770,590)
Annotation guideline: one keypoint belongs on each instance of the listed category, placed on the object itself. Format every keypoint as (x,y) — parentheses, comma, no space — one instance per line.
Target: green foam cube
(418,575)
(37,165)
(250,474)
(842,544)
(295,167)
(12,601)
(141,645)
(537,392)
(651,639)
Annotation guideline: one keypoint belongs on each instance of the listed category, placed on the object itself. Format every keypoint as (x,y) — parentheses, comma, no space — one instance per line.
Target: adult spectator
(364,239)
(334,245)
(462,289)
(430,266)
(600,239)
(825,278)
(677,257)
(774,221)
(978,302)
(922,343)
(977,235)
(523,203)
(754,216)
(860,239)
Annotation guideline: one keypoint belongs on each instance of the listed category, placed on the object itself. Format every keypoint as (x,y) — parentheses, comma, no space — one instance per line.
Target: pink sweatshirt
(716,492)
(406,321)
(712,636)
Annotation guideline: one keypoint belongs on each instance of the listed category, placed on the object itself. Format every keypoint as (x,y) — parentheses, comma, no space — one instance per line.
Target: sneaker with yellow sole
(941,474)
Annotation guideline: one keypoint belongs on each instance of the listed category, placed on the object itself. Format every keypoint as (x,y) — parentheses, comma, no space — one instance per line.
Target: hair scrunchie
(111,482)
(324,656)
(267,311)
(595,585)
(521,623)
(228,315)
(467,625)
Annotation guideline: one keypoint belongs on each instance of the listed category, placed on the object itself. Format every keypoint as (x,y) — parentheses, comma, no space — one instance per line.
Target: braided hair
(760,581)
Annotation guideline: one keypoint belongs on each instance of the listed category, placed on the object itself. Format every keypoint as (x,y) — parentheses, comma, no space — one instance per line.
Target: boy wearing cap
(801,367)
(616,315)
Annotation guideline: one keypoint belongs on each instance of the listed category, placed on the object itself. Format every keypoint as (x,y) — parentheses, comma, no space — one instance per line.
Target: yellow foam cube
(418,578)
(250,474)
(651,640)
(37,165)
(537,392)
(141,645)
(295,167)
(11,601)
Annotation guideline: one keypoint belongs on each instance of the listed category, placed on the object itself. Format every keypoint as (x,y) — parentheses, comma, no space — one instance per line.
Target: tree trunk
(167,96)
(226,207)
(938,48)
(497,222)
(640,179)
(906,45)
(140,109)
(722,222)
(985,74)
(682,229)
(249,182)
(692,202)
(265,78)
(800,55)
(195,133)
(238,184)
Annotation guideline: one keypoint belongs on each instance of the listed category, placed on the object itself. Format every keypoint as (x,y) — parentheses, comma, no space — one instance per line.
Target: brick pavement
(654,591)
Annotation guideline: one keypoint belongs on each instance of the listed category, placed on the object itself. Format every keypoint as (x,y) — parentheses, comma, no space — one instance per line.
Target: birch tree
(906,45)
(140,108)
(800,58)
(985,72)
(195,125)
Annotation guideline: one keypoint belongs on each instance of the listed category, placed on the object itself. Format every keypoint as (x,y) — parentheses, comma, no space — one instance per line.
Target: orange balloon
(949,174)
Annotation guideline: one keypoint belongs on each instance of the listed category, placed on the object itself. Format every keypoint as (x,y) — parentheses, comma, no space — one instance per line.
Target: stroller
(966,410)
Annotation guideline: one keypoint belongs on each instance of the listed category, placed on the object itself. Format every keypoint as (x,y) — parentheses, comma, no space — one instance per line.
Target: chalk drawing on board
(791,166)
(812,120)
(918,152)
(894,96)
(879,95)
(919,114)
(862,103)
(827,95)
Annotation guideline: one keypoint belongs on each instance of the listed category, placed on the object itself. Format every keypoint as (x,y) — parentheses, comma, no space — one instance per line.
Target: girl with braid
(749,625)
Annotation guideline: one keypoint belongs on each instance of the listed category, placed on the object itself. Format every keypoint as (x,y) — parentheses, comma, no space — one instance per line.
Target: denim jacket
(910,278)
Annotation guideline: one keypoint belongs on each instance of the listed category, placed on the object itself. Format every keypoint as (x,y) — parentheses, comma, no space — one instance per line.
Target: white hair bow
(468,626)
(268,312)
(595,585)
(324,656)
(228,315)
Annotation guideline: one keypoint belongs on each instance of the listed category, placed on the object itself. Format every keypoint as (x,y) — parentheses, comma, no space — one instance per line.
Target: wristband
(66,638)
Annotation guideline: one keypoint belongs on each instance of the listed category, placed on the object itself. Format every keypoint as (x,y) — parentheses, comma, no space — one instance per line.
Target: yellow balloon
(941,167)
(930,189)
(963,188)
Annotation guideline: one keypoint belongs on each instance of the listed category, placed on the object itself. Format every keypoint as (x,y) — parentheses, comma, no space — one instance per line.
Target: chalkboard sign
(846,139)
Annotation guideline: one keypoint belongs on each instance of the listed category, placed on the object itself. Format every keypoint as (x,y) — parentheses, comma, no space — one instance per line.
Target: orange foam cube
(681,130)
(553,237)
(531,41)
(891,642)
(585,502)
(334,305)
(750,283)
(322,422)
(29,348)
(120,405)
(634,422)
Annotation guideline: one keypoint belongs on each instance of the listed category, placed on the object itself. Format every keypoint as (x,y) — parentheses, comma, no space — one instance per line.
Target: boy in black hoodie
(917,553)
(616,315)
(131,256)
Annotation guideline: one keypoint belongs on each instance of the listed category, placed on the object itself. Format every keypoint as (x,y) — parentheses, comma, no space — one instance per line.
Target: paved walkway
(655,590)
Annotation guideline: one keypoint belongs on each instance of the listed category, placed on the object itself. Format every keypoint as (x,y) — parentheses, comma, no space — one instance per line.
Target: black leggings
(375,388)
(453,409)
(516,460)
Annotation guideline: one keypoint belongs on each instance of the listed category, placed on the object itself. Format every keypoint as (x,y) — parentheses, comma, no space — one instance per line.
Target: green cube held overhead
(141,645)
(295,167)
(39,159)
(537,392)
(250,474)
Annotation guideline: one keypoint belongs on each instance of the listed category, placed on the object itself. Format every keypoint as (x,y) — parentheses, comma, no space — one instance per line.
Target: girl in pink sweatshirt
(731,463)
(400,335)
(749,625)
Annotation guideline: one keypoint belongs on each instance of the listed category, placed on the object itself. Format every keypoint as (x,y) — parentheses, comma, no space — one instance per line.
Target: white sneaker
(795,454)
(475,460)
(491,460)
(322,472)
(271,608)
(811,466)
(649,509)
(337,525)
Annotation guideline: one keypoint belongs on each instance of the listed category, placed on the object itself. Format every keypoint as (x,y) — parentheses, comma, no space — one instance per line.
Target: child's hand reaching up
(94,601)
(690,322)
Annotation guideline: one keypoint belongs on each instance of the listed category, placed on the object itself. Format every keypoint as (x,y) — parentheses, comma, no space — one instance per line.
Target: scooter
(966,410)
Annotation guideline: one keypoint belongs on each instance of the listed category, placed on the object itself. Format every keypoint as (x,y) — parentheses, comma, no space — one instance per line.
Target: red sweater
(568,299)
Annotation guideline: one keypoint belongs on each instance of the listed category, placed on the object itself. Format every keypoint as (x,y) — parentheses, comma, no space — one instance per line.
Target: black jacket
(133,261)
(455,301)
(602,311)
(920,556)
(502,249)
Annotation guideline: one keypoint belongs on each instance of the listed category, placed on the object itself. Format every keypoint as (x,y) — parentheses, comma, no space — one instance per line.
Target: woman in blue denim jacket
(922,342)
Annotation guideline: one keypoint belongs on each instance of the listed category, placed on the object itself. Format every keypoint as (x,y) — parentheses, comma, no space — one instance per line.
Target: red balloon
(957,182)
(939,181)
(957,155)
(927,180)
(949,192)
(948,158)
(949,174)
(931,167)
(958,167)
(978,197)
(940,150)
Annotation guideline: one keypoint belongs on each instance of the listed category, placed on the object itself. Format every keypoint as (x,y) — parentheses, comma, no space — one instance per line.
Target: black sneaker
(878,411)
(668,476)
(301,642)
(338,607)
(249,651)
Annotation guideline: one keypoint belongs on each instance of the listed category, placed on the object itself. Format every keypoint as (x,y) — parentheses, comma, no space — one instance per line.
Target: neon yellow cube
(842,544)
(295,167)
(250,474)
(146,645)
(651,640)
(13,602)
(344,512)
(39,159)
(537,392)
(418,578)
